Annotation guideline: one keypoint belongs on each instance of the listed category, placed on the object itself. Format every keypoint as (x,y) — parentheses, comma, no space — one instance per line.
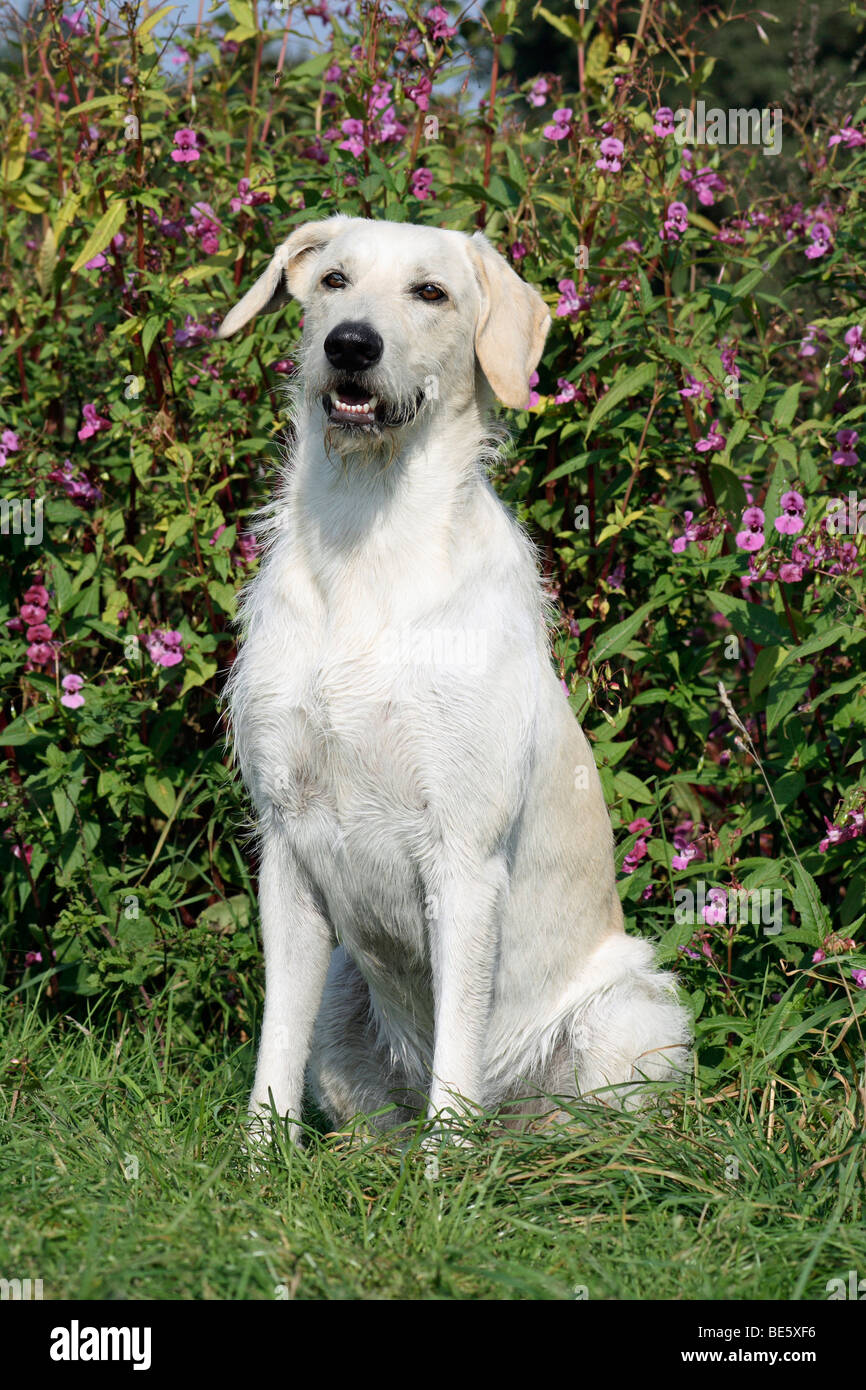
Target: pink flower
(793,511)
(164,648)
(859,978)
(716,909)
(684,858)
(713,442)
(856,345)
(32,957)
(72,685)
(641,824)
(74,23)
(40,632)
(205,227)
(818,956)
(534,398)
(40,653)
(186,149)
(518,250)
(751,537)
(93,422)
(789,573)
(561,127)
(33,613)
(353,129)
(676,222)
(567,391)
(422,184)
(696,388)
(635,855)
(611,152)
(848,136)
(821,240)
(663,123)
(436,20)
(570,302)
(844,456)
(248,547)
(420,92)
(247,197)
(537,95)
(9,442)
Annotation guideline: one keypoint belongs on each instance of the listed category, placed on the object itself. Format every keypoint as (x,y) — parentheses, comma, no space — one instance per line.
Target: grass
(750,1194)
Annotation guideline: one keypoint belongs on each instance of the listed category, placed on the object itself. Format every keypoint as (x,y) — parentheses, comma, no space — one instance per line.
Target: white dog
(440,918)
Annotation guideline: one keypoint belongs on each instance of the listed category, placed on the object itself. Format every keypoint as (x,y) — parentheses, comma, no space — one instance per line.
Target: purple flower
(420,92)
(684,858)
(164,648)
(518,250)
(844,456)
(93,422)
(848,136)
(72,685)
(751,537)
(436,20)
(534,398)
(716,908)
(859,978)
(675,223)
(793,510)
(561,128)
(538,93)
(696,388)
(186,149)
(821,240)
(856,345)
(663,123)
(422,184)
(247,197)
(567,391)
(204,227)
(32,957)
(789,573)
(353,129)
(611,152)
(74,24)
(713,442)
(570,302)
(635,855)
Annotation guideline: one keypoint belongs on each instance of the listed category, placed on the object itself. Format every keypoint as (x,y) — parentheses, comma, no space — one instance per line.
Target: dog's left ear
(512,324)
(285,277)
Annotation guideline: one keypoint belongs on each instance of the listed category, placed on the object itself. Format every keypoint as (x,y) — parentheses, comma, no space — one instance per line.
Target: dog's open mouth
(351,405)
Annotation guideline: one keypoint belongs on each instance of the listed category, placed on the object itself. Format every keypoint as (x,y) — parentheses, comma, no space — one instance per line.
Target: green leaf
(807,902)
(161,793)
(107,226)
(786,406)
(786,691)
(628,385)
(615,638)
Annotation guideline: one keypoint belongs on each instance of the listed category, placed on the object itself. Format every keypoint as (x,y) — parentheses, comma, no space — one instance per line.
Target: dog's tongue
(354,406)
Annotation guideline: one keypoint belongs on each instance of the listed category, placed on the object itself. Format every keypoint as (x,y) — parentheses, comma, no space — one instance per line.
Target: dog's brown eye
(334,280)
(429,292)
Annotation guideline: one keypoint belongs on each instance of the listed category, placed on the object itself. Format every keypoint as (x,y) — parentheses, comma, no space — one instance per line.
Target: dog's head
(396,320)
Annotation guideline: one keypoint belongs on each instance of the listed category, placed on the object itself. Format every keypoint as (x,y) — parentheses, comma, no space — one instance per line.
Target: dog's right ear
(287,274)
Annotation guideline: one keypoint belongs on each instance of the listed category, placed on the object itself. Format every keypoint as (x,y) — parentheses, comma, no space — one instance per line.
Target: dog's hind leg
(629,1030)
(351,1070)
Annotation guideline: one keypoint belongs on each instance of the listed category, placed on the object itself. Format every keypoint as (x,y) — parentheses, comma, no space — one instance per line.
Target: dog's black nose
(353,347)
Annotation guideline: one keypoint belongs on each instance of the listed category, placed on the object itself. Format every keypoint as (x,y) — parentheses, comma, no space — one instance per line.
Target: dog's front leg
(463,941)
(297,945)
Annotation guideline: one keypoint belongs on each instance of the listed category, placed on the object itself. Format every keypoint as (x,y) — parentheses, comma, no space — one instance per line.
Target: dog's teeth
(372,403)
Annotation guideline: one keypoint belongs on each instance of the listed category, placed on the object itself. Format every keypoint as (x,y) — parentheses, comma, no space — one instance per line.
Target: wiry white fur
(440,822)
